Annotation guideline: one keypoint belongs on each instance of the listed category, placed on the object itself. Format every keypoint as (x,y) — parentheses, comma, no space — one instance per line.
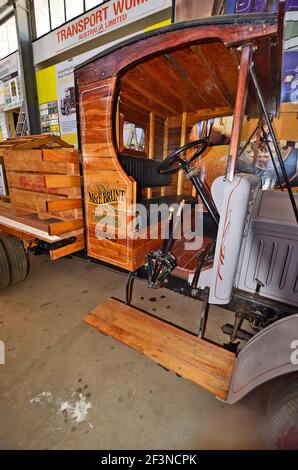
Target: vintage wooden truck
(139,105)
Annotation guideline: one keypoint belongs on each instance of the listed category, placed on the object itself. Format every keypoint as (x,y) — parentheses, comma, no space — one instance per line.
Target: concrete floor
(65,386)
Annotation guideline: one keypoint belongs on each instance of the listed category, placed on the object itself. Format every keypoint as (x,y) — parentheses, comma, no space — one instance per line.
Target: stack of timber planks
(43,177)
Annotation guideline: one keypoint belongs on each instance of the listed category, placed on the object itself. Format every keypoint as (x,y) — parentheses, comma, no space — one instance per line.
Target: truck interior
(166,96)
(146,112)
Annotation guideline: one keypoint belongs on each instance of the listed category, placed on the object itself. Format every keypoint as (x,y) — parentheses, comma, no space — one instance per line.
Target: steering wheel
(165,167)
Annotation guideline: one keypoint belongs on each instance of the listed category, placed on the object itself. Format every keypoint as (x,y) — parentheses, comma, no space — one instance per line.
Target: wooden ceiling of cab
(199,79)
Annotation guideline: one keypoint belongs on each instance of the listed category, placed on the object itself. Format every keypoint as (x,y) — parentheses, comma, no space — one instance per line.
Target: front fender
(269,354)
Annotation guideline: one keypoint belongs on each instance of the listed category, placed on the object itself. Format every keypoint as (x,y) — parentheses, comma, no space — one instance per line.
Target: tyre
(17,259)
(4,268)
(282,414)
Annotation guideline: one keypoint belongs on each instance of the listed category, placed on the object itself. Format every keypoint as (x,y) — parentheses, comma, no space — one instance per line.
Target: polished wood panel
(29,226)
(182,143)
(189,70)
(188,260)
(37,182)
(63,204)
(45,189)
(165,147)
(103,172)
(67,250)
(109,65)
(197,116)
(36,202)
(151,145)
(60,155)
(179,76)
(223,73)
(143,93)
(240,106)
(35,141)
(62,181)
(213,163)
(58,228)
(32,161)
(202,363)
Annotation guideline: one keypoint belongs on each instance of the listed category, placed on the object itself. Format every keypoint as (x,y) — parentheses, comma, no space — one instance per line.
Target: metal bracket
(129,287)
(204,314)
(160,265)
(193,172)
(42,247)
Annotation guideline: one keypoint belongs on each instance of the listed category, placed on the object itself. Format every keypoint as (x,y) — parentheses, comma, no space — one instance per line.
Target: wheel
(282,413)
(17,259)
(4,268)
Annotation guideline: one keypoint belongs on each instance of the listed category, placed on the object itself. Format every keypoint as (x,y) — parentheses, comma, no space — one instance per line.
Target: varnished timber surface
(188,260)
(35,141)
(40,171)
(78,245)
(32,161)
(239,30)
(188,70)
(204,364)
(239,109)
(60,155)
(58,228)
(37,176)
(36,202)
(29,226)
(37,182)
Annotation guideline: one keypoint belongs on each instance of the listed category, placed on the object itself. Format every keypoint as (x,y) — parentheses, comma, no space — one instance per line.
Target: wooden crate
(35,161)
(36,202)
(43,177)
(39,176)
(38,183)
(29,227)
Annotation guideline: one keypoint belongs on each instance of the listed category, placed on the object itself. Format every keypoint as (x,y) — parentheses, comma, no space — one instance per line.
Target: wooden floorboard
(187,260)
(203,363)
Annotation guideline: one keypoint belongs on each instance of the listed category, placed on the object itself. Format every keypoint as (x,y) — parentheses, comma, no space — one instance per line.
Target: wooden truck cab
(139,105)
(165,82)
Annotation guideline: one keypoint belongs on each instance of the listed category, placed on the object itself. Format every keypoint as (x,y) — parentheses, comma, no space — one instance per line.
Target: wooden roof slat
(35,141)
(217,78)
(193,91)
(161,67)
(153,79)
(202,77)
(128,97)
(140,81)
(162,108)
(201,115)
(183,81)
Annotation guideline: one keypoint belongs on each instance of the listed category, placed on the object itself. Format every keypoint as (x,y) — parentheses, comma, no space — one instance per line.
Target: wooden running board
(197,360)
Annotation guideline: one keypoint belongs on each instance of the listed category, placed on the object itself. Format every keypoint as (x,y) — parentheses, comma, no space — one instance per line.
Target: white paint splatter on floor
(75,409)
(42,398)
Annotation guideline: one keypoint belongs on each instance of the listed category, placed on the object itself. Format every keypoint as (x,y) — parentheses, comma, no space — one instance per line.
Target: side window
(133,137)
(14,94)
(13,88)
